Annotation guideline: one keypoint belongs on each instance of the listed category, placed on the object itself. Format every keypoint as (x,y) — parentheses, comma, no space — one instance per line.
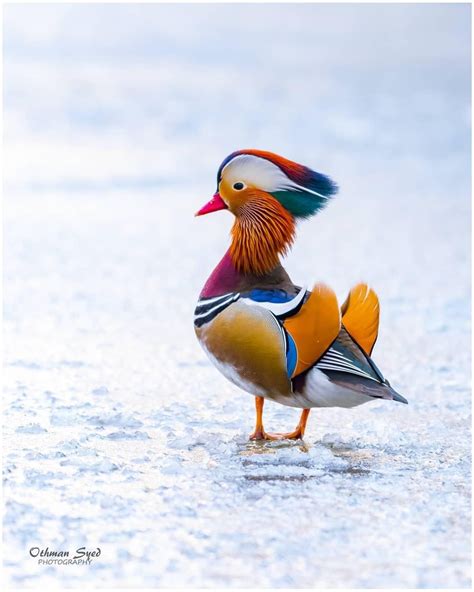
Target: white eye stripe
(253,170)
(261,173)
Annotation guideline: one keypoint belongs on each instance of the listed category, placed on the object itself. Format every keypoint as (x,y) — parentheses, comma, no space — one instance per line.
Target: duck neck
(263,230)
(226,278)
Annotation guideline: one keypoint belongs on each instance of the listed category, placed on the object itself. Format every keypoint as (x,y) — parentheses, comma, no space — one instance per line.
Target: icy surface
(118,432)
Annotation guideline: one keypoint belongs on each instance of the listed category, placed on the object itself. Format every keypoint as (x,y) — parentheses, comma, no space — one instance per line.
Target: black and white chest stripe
(208,308)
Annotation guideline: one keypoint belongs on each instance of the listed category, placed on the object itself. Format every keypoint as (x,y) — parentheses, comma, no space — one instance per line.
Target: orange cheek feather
(263,230)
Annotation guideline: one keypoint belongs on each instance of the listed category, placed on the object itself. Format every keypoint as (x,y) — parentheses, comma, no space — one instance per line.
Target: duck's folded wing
(345,355)
(346,365)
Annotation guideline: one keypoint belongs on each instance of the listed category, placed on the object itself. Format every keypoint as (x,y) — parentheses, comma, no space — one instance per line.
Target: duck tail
(392,394)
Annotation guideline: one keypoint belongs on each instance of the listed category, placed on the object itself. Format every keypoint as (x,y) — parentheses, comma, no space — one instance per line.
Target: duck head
(267,194)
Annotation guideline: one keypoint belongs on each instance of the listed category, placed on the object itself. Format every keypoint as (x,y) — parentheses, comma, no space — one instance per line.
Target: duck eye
(238,186)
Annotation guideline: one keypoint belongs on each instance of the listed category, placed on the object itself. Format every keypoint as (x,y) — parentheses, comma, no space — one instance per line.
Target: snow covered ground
(118,432)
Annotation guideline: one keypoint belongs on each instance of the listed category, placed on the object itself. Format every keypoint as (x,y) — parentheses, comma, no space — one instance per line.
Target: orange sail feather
(360,316)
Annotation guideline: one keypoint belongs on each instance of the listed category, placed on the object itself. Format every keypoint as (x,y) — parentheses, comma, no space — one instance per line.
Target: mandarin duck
(270,337)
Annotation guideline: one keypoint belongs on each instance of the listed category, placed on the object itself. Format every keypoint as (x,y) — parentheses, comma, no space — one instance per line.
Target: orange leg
(298,432)
(260,434)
